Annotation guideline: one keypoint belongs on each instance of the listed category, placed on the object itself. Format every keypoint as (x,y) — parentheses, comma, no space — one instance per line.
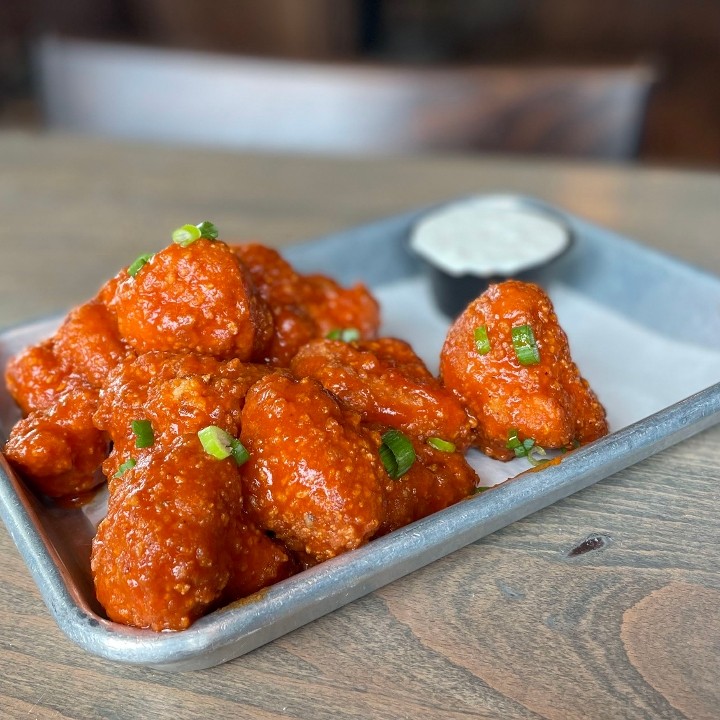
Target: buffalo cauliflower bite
(388,384)
(545,398)
(35,377)
(198,298)
(436,480)
(86,346)
(56,384)
(161,556)
(177,393)
(305,307)
(88,342)
(314,477)
(59,449)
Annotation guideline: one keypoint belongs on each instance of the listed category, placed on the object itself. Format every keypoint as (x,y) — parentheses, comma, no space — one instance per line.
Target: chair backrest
(228,101)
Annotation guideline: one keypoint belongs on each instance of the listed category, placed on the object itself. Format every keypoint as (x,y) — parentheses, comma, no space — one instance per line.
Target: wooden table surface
(510,626)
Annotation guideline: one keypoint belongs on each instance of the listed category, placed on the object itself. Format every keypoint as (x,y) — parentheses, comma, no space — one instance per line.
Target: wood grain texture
(654,634)
(513,626)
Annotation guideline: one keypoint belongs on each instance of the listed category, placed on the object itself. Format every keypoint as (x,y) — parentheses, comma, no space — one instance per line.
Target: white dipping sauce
(487,237)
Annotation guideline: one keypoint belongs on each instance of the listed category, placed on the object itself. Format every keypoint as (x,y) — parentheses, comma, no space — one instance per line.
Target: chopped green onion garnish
(520,448)
(188,234)
(127,465)
(144,435)
(138,264)
(388,460)
(216,441)
(537,460)
(482,343)
(345,334)
(526,348)
(524,448)
(220,444)
(442,445)
(479,489)
(239,452)
(207,230)
(397,453)
(513,441)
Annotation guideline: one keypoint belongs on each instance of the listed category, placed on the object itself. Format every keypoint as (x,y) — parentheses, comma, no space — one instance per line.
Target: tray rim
(230,632)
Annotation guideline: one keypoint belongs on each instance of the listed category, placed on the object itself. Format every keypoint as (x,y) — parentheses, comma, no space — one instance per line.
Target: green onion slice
(188,234)
(207,230)
(127,465)
(526,348)
(397,453)
(442,445)
(144,435)
(525,448)
(482,343)
(138,264)
(513,441)
(220,444)
(345,334)
(520,448)
(537,460)
(239,451)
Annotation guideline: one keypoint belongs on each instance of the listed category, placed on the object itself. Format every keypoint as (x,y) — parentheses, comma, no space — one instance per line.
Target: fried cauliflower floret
(35,377)
(85,347)
(178,393)
(56,384)
(88,344)
(198,298)
(435,481)
(59,449)
(547,400)
(305,306)
(161,557)
(388,384)
(314,477)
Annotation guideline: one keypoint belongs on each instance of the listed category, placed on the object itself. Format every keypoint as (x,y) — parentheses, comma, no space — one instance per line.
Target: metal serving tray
(655,293)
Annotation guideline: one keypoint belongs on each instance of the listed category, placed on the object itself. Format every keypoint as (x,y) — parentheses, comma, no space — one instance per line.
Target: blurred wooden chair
(259,104)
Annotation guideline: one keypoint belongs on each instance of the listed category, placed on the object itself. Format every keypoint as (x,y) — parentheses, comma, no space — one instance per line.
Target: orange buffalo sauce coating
(59,450)
(160,558)
(178,393)
(305,307)
(88,343)
(549,401)
(35,377)
(435,481)
(198,298)
(388,384)
(57,446)
(314,477)
(256,561)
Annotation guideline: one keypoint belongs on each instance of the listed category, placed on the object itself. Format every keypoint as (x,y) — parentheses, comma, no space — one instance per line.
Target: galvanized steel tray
(650,296)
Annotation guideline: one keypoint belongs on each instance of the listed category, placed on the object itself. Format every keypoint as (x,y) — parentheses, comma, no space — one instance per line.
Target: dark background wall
(680,37)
